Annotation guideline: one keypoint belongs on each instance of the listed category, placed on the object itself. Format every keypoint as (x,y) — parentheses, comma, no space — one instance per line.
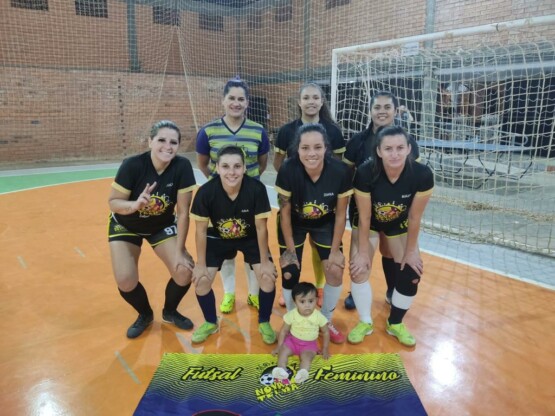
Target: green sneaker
(268,334)
(401,332)
(204,331)
(356,336)
(227,304)
(253,301)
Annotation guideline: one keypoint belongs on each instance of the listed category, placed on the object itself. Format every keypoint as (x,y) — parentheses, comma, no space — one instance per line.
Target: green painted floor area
(37,180)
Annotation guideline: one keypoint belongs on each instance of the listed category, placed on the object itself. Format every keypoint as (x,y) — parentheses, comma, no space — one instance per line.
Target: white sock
(362,295)
(288,298)
(227,272)
(331,297)
(252,282)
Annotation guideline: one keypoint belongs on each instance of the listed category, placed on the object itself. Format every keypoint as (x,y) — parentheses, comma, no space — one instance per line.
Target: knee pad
(295,274)
(407,280)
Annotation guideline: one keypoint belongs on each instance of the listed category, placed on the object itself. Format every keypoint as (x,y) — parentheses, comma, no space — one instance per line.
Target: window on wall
(30,4)
(92,8)
(283,13)
(165,16)
(330,4)
(208,22)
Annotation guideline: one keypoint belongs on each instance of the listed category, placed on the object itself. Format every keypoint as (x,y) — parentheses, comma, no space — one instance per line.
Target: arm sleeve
(264,143)
(361,181)
(202,144)
(125,177)
(352,149)
(262,201)
(322,320)
(283,185)
(336,139)
(282,142)
(346,182)
(187,181)
(427,180)
(199,209)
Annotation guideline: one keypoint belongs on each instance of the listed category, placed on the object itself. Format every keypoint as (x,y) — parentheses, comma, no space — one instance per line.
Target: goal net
(482,107)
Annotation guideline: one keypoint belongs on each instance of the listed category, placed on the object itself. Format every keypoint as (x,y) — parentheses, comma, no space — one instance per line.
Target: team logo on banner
(242,384)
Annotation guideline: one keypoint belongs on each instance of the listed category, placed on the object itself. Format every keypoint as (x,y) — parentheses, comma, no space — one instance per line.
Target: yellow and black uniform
(313,204)
(251,137)
(232,222)
(287,133)
(391,201)
(156,221)
(359,148)
(359,151)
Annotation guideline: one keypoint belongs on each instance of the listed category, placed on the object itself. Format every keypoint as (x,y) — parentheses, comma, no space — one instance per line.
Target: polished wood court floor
(485,342)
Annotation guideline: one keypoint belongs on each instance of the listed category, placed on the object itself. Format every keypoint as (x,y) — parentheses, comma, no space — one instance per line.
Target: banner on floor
(242,384)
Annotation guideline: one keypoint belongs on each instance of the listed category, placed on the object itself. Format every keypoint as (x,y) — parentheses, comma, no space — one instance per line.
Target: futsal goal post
(482,101)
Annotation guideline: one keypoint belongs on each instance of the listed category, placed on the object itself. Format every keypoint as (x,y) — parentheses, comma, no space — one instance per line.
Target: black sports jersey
(231,219)
(319,199)
(131,179)
(391,201)
(359,148)
(287,133)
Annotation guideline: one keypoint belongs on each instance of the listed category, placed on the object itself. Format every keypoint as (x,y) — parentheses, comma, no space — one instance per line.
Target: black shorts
(392,230)
(117,232)
(218,250)
(322,236)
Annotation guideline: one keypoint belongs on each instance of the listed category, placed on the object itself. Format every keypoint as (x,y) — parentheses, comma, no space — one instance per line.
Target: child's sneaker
(204,331)
(401,332)
(268,334)
(356,336)
(301,376)
(254,301)
(227,304)
(280,373)
(335,335)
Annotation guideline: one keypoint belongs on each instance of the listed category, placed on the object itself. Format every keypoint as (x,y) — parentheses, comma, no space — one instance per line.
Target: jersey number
(171,230)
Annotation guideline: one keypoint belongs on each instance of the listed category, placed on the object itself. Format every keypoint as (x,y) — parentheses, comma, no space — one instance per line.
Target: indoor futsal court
(482,344)
(83,82)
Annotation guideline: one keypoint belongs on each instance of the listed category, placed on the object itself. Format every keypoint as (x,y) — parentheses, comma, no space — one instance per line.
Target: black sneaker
(139,326)
(350,302)
(177,319)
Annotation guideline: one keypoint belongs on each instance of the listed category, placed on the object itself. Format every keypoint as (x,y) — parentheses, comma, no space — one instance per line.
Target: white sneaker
(301,376)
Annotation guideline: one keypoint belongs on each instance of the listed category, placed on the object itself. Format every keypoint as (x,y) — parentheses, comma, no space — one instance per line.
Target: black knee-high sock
(138,299)
(388,265)
(406,285)
(174,294)
(208,305)
(396,315)
(266,304)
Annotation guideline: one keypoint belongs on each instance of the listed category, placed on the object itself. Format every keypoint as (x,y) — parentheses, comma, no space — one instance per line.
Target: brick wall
(68,90)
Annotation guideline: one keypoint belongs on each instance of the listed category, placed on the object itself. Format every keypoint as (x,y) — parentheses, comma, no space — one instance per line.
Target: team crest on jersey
(389,211)
(157,206)
(232,228)
(313,211)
